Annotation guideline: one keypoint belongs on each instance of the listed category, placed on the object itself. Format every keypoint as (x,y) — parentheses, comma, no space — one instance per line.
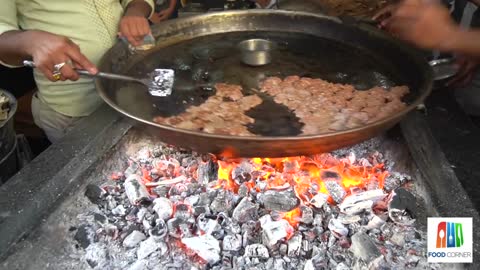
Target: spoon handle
(83,72)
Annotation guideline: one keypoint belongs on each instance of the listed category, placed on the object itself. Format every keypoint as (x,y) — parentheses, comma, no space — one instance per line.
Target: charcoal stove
(47,218)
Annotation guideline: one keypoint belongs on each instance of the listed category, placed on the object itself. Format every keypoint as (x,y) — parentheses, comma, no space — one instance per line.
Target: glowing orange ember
(293,216)
(304,174)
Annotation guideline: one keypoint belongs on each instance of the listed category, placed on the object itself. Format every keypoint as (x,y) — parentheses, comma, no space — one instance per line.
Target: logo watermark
(450,240)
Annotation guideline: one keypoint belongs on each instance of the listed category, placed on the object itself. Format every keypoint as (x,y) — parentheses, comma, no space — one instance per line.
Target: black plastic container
(8,141)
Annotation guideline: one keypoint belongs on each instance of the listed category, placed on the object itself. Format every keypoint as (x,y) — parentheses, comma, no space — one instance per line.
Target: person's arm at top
(134,24)
(166,13)
(429,25)
(44,48)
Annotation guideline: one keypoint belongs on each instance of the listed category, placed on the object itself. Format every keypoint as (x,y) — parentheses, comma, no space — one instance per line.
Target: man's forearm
(14,47)
(173,4)
(465,42)
(138,8)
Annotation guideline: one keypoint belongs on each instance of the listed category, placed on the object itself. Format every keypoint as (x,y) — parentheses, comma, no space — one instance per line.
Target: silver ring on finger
(58,67)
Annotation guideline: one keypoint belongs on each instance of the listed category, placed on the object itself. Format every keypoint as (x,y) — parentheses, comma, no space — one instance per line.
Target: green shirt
(91,24)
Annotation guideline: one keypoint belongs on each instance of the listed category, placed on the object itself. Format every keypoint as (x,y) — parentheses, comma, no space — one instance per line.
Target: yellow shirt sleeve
(8,20)
(151,3)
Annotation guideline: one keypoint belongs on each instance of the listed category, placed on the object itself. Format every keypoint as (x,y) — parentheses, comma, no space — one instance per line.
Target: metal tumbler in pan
(256,52)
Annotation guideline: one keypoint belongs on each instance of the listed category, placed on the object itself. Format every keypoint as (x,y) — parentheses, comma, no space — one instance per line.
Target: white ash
(336,191)
(220,229)
(274,231)
(319,200)
(133,239)
(149,246)
(205,246)
(294,245)
(232,242)
(136,190)
(257,251)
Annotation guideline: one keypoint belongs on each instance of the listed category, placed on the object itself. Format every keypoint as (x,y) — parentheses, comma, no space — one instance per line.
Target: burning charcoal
(305,245)
(318,220)
(395,180)
(218,234)
(243,191)
(132,215)
(197,210)
(182,211)
(163,207)
(149,246)
(223,202)
(375,223)
(160,230)
(192,200)
(207,171)
(273,231)
(294,245)
(283,249)
(232,242)
(94,193)
(332,238)
(257,251)
(276,215)
(85,236)
(402,207)
(359,202)
(278,263)
(119,211)
(398,239)
(169,182)
(132,169)
(291,166)
(309,265)
(204,199)
(161,191)
(148,222)
(185,230)
(307,215)
(100,218)
(205,246)
(363,247)
(337,228)
(283,201)
(180,190)
(242,173)
(346,219)
(330,176)
(228,225)
(141,214)
(261,185)
(136,191)
(336,191)
(239,262)
(133,239)
(309,235)
(96,256)
(245,211)
(139,265)
(206,225)
(319,200)
(342,266)
(173,226)
(227,262)
(144,155)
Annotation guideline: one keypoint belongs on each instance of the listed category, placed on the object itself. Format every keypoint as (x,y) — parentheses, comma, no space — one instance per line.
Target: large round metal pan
(202,49)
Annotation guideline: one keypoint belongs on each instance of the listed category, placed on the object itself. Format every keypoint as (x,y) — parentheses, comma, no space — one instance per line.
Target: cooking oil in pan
(204,61)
